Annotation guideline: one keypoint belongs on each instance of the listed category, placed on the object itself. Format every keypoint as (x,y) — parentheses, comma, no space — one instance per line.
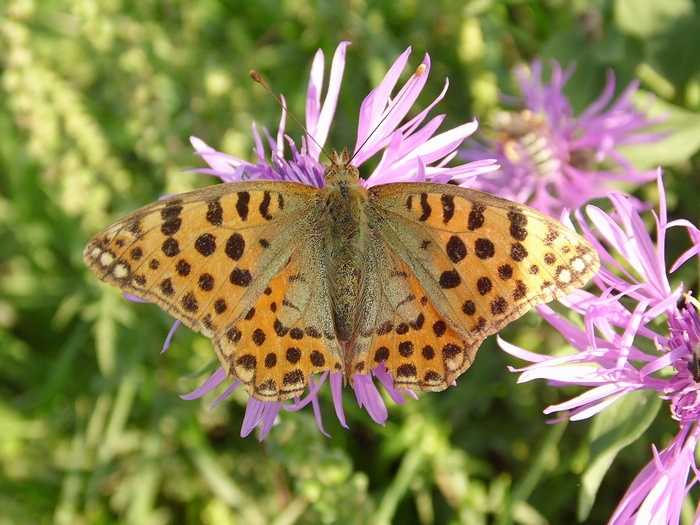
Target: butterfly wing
(289,332)
(400,325)
(480,261)
(207,257)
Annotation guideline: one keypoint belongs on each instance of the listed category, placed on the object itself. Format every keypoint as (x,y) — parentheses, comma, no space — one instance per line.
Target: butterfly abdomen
(345,243)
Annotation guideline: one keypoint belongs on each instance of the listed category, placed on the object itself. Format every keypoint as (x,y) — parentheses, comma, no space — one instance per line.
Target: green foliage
(614,429)
(98,101)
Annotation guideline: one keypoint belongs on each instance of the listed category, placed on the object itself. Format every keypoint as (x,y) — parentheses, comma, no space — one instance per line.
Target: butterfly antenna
(257,78)
(419,71)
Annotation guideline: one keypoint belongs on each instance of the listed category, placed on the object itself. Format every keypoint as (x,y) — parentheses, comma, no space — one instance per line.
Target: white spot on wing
(564,276)
(578,264)
(106,258)
(121,271)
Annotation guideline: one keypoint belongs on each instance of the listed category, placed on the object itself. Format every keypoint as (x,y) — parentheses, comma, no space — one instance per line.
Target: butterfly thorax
(345,240)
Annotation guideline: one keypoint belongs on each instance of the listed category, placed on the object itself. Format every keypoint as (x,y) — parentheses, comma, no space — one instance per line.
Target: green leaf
(644,18)
(681,143)
(620,424)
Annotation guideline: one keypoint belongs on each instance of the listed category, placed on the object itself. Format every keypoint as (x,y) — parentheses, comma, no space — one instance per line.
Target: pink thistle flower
(551,159)
(636,337)
(410,151)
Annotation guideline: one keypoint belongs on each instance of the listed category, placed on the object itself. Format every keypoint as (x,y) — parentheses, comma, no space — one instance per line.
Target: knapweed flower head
(640,333)
(410,151)
(552,159)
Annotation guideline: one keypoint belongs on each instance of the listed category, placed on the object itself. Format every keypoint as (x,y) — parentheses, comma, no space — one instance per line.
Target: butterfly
(290,280)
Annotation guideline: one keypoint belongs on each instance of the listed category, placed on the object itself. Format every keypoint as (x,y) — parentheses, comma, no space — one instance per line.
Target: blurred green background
(98,101)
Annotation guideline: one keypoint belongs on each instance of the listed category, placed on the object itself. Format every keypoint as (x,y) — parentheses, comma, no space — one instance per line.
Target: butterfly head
(340,169)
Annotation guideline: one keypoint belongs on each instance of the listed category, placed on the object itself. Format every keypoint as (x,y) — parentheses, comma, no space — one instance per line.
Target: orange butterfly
(289,280)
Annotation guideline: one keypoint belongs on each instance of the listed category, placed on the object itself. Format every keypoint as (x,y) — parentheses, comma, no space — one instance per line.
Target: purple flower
(551,159)
(637,336)
(410,151)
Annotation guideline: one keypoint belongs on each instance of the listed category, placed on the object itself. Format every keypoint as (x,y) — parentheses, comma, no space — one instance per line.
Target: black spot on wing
(265,206)
(242,205)
(448,207)
(215,213)
(425,207)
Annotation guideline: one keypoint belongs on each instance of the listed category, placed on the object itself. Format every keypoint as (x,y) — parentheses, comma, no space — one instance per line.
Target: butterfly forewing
(207,256)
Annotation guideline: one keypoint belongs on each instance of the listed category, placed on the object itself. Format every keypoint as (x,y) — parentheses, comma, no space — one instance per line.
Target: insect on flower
(343,275)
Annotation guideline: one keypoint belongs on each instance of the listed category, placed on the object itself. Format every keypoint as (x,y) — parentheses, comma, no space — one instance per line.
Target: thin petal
(319,122)
(209,385)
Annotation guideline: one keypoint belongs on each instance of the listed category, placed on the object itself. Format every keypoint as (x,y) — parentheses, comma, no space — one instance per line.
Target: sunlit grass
(98,102)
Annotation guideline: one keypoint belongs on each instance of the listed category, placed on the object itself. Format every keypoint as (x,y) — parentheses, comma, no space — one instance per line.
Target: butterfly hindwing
(400,326)
(288,334)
